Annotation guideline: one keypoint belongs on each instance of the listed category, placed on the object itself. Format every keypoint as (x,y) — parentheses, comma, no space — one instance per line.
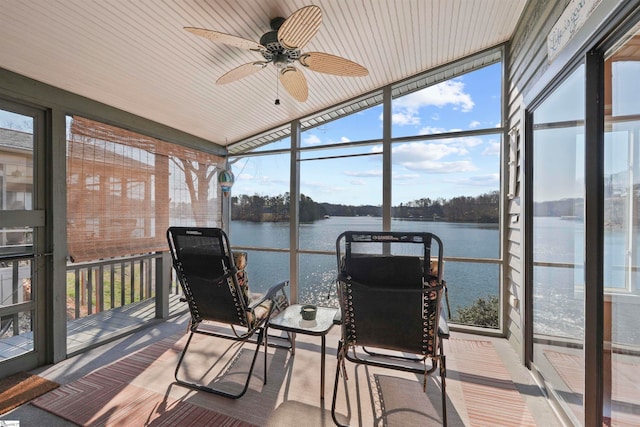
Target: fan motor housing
(275,52)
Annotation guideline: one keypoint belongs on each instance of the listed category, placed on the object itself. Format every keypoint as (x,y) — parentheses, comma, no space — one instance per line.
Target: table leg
(293,343)
(322,357)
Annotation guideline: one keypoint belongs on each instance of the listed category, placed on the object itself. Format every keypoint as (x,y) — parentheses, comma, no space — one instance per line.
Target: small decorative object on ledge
(240,261)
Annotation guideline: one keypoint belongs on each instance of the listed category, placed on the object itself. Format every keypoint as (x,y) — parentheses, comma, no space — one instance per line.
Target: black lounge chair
(206,271)
(391,304)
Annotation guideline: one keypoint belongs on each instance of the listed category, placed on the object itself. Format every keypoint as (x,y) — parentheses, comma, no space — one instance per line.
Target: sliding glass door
(585,204)
(621,355)
(558,241)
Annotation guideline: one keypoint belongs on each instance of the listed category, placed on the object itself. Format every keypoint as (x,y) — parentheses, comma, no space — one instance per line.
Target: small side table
(290,320)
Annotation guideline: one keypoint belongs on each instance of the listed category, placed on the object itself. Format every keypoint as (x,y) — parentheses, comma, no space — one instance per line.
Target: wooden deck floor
(95,330)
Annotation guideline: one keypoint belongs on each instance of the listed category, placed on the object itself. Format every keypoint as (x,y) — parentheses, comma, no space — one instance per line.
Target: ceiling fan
(282,47)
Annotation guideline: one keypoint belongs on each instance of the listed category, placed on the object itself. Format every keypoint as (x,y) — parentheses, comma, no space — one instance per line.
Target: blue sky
(15,121)
(441,168)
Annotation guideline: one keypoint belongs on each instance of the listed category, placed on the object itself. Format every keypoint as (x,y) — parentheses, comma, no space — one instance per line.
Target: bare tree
(198,178)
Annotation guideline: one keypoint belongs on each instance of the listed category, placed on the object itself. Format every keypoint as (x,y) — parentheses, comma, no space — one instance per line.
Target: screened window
(468,102)
(363,125)
(450,184)
(125,189)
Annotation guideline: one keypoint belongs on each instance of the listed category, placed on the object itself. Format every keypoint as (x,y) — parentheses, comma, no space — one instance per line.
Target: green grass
(118,288)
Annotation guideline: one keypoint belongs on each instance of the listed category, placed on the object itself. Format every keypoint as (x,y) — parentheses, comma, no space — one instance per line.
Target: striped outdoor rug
(107,397)
(491,398)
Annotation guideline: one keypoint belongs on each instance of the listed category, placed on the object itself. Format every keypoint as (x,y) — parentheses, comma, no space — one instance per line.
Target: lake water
(466,281)
(558,291)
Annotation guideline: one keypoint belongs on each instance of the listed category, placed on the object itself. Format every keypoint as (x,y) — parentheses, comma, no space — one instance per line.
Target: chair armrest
(446,297)
(226,275)
(270,294)
(337,318)
(443,326)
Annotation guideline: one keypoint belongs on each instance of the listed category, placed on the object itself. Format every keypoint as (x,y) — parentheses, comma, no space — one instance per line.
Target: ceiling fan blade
(295,83)
(332,64)
(300,27)
(241,72)
(219,37)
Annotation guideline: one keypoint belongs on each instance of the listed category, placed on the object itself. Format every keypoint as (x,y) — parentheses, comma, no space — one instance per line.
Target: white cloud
(366,174)
(406,109)
(429,157)
(461,143)
(467,141)
(263,185)
(279,181)
(474,124)
(492,149)
(311,139)
(319,187)
(423,151)
(491,180)
(345,139)
(445,93)
(404,118)
(441,167)
(406,177)
(244,178)
(435,150)
(430,130)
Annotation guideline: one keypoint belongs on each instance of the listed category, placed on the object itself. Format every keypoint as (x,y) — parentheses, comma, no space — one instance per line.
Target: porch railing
(93,287)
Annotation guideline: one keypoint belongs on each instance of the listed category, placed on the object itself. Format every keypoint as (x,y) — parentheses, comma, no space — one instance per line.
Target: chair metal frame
(214,246)
(428,287)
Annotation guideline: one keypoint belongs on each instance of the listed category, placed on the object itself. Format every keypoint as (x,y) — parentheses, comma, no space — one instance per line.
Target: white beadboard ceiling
(135,55)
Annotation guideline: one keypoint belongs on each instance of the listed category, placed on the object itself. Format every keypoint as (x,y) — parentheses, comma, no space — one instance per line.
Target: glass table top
(291,320)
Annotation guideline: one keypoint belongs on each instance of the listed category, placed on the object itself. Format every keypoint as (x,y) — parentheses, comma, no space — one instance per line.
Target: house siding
(527,55)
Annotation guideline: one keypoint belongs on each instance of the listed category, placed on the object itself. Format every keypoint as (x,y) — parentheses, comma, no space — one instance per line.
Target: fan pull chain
(277,89)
